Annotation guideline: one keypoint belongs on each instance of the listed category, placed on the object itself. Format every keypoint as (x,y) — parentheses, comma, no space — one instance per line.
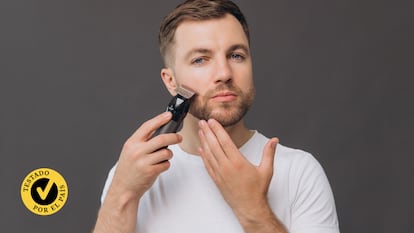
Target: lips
(224,96)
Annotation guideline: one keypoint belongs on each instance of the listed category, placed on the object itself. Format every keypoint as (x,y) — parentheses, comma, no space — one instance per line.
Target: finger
(161,141)
(157,162)
(160,167)
(207,164)
(223,138)
(266,164)
(159,156)
(211,142)
(206,154)
(144,132)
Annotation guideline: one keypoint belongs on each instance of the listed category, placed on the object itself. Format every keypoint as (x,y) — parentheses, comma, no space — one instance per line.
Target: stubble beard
(226,113)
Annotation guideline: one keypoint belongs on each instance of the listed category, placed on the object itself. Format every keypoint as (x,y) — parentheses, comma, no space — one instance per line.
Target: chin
(226,116)
(226,113)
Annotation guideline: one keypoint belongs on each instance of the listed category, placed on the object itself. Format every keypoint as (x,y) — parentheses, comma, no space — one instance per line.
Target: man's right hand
(143,158)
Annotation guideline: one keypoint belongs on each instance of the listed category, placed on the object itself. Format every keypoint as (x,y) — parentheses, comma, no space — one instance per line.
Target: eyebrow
(209,51)
(197,50)
(239,46)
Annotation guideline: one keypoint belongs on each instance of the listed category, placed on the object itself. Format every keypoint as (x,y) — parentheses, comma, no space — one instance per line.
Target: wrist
(260,219)
(118,199)
(118,213)
(253,214)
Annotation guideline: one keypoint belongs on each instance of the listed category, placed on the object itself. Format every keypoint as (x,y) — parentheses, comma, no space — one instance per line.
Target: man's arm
(117,214)
(243,185)
(141,161)
(261,219)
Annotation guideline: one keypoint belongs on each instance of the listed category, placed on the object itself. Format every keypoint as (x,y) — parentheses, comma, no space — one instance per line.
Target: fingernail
(274,143)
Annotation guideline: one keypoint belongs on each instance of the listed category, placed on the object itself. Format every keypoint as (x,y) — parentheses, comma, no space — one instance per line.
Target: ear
(167,76)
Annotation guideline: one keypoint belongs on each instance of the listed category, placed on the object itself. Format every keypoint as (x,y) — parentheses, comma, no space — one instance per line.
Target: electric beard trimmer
(178,106)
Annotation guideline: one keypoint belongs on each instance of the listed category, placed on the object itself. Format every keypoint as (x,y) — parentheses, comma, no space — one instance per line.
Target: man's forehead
(200,33)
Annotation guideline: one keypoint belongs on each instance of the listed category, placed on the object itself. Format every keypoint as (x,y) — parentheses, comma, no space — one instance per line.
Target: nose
(224,72)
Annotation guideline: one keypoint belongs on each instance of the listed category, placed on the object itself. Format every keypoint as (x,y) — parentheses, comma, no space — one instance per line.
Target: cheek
(193,81)
(245,80)
(193,86)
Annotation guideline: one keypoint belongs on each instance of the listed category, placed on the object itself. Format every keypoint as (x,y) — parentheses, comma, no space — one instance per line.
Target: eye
(198,60)
(237,57)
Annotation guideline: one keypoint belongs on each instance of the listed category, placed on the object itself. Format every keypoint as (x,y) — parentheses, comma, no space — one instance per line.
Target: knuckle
(167,153)
(164,166)
(148,124)
(161,140)
(127,150)
(128,144)
(238,165)
(140,165)
(151,171)
(132,149)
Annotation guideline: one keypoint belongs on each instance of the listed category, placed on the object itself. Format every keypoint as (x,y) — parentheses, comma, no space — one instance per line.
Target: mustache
(221,88)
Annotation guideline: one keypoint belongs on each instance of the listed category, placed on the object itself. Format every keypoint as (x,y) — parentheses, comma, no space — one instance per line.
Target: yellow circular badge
(44,191)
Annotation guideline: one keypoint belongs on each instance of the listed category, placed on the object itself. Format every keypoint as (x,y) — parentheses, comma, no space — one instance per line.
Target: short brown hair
(197,10)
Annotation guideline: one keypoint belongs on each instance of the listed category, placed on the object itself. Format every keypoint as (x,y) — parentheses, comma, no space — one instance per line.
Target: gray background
(335,78)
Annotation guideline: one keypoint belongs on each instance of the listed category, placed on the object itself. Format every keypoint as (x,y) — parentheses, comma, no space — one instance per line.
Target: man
(216,175)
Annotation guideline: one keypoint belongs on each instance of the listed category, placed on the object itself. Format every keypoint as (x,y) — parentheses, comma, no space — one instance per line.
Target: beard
(226,113)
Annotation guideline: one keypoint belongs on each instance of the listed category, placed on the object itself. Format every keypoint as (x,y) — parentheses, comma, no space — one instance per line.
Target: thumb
(268,157)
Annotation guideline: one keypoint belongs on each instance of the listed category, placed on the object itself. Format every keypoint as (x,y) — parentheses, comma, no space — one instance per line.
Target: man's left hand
(243,185)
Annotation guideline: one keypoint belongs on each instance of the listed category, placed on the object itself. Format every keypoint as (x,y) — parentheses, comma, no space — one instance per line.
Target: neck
(191,142)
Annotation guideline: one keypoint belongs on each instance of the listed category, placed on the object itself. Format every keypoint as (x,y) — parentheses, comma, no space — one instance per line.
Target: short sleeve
(312,202)
(108,183)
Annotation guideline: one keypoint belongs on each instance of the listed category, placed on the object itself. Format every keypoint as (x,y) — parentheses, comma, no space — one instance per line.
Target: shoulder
(285,157)
(311,200)
(285,154)
(299,158)
(302,168)
(296,168)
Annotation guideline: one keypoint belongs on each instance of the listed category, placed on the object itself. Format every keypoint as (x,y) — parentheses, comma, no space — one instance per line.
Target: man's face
(213,58)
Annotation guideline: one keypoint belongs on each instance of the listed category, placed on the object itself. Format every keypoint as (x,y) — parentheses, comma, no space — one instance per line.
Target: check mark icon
(44,192)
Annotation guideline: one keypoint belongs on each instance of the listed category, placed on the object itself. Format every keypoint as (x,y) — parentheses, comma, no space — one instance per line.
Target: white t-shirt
(184,199)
